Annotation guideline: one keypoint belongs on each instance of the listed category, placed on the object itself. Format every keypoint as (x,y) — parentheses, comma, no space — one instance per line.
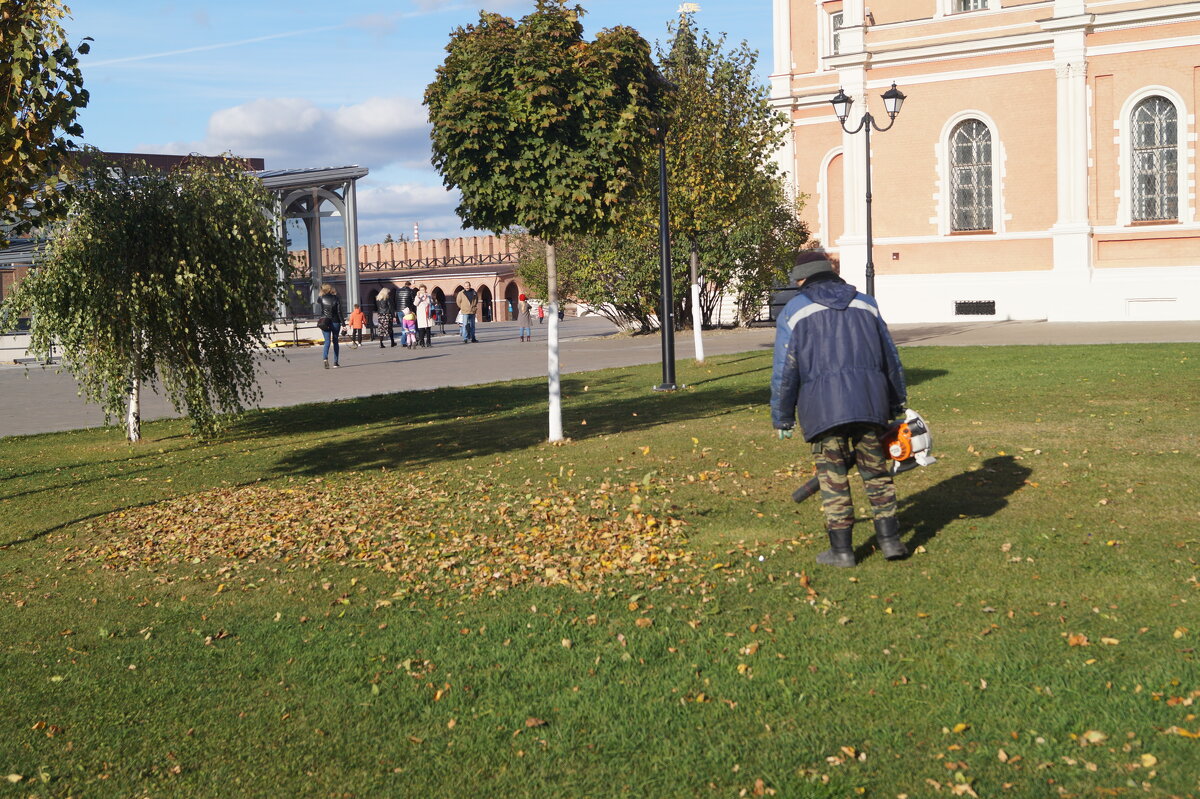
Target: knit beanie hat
(805,270)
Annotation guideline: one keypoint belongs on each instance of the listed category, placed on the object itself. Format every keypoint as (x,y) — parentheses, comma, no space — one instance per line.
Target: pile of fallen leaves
(429,535)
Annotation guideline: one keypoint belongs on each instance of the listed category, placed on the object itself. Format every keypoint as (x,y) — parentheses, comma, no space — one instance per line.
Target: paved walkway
(37,400)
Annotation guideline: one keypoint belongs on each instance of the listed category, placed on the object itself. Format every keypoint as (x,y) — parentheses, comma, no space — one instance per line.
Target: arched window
(971,176)
(1154,146)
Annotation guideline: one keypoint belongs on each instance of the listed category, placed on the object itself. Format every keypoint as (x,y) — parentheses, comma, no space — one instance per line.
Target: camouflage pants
(834,454)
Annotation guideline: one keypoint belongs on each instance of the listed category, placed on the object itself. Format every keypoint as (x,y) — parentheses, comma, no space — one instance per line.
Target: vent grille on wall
(975,308)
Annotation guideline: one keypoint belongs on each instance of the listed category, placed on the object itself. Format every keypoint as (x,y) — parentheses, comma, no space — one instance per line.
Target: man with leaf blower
(836,364)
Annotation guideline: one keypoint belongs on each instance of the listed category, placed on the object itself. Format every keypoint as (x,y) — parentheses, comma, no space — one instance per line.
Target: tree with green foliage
(41,90)
(727,200)
(162,278)
(544,131)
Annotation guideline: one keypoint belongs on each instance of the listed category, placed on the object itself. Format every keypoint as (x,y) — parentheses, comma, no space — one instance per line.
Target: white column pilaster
(781,74)
(350,198)
(853,244)
(1072,230)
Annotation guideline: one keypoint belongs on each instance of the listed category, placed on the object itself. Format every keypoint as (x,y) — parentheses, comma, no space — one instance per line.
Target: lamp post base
(666,387)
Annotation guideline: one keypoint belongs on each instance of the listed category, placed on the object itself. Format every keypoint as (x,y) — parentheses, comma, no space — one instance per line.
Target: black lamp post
(892,100)
(666,315)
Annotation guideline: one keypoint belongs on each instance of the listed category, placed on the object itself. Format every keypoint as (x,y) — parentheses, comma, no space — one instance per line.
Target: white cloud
(293,132)
(384,209)
(388,135)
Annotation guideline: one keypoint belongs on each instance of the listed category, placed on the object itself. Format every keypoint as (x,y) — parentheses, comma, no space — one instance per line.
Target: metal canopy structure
(310,195)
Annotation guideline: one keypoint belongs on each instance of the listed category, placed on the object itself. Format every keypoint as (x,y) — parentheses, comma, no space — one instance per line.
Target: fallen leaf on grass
(1092,737)
(533,721)
(576,537)
(1173,730)
(1078,639)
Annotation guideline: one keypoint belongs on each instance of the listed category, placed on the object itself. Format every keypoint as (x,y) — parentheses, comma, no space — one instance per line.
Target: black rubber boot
(841,548)
(887,535)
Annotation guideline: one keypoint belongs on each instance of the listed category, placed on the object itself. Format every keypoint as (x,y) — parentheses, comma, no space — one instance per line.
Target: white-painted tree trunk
(556,425)
(133,415)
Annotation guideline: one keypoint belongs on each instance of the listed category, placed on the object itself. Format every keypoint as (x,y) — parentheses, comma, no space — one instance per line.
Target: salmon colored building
(443,266)
(1043,165)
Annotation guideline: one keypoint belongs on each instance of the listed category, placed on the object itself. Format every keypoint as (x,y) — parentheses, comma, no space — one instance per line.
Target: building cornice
(1044,37)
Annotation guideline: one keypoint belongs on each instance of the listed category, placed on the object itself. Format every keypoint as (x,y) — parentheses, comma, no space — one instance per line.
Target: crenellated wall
(459,251)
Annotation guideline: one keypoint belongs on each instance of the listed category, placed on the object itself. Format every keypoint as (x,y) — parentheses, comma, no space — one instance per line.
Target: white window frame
(1184,202)
(945,183)
(984,196)
(827,37)
(949,8)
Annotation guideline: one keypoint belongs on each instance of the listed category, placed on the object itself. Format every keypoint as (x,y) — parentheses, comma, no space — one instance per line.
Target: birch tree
(159,279)
(543,131)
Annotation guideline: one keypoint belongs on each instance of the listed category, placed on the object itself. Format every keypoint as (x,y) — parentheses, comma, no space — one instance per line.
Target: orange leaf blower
(907,444)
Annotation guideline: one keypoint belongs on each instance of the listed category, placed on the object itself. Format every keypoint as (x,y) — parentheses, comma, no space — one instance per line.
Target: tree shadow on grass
(482,421)
(970,495)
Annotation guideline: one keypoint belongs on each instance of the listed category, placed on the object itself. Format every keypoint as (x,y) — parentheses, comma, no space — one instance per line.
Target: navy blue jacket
(835,361)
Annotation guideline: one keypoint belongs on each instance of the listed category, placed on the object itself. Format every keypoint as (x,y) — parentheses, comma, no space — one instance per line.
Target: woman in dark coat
(384,310)
(331,310)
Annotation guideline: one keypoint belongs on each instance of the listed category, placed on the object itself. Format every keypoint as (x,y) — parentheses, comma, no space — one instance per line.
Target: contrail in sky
(219,46)
(269,37)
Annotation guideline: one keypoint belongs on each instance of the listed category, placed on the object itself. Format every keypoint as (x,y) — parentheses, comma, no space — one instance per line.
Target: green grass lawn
(414,595)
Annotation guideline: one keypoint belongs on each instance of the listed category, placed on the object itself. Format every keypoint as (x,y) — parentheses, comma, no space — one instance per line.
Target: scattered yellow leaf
(1148,760)
(1093,737)
(962,726)
(1110,641)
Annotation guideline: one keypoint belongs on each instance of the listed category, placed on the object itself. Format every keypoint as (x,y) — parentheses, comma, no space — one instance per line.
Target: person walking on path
(424,305)
(468,302)
(357,320)
(330,322)
(384,310)
(541,312)
(524,319)
(836,364)
(404,298)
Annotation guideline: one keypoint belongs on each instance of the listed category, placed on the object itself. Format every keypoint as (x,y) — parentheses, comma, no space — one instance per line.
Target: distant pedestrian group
(414,311)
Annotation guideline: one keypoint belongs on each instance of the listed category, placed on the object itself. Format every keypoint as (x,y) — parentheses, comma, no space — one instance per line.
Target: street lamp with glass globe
(893,98)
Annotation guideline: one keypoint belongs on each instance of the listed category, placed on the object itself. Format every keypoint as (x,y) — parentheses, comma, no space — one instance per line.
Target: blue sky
(306,83)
